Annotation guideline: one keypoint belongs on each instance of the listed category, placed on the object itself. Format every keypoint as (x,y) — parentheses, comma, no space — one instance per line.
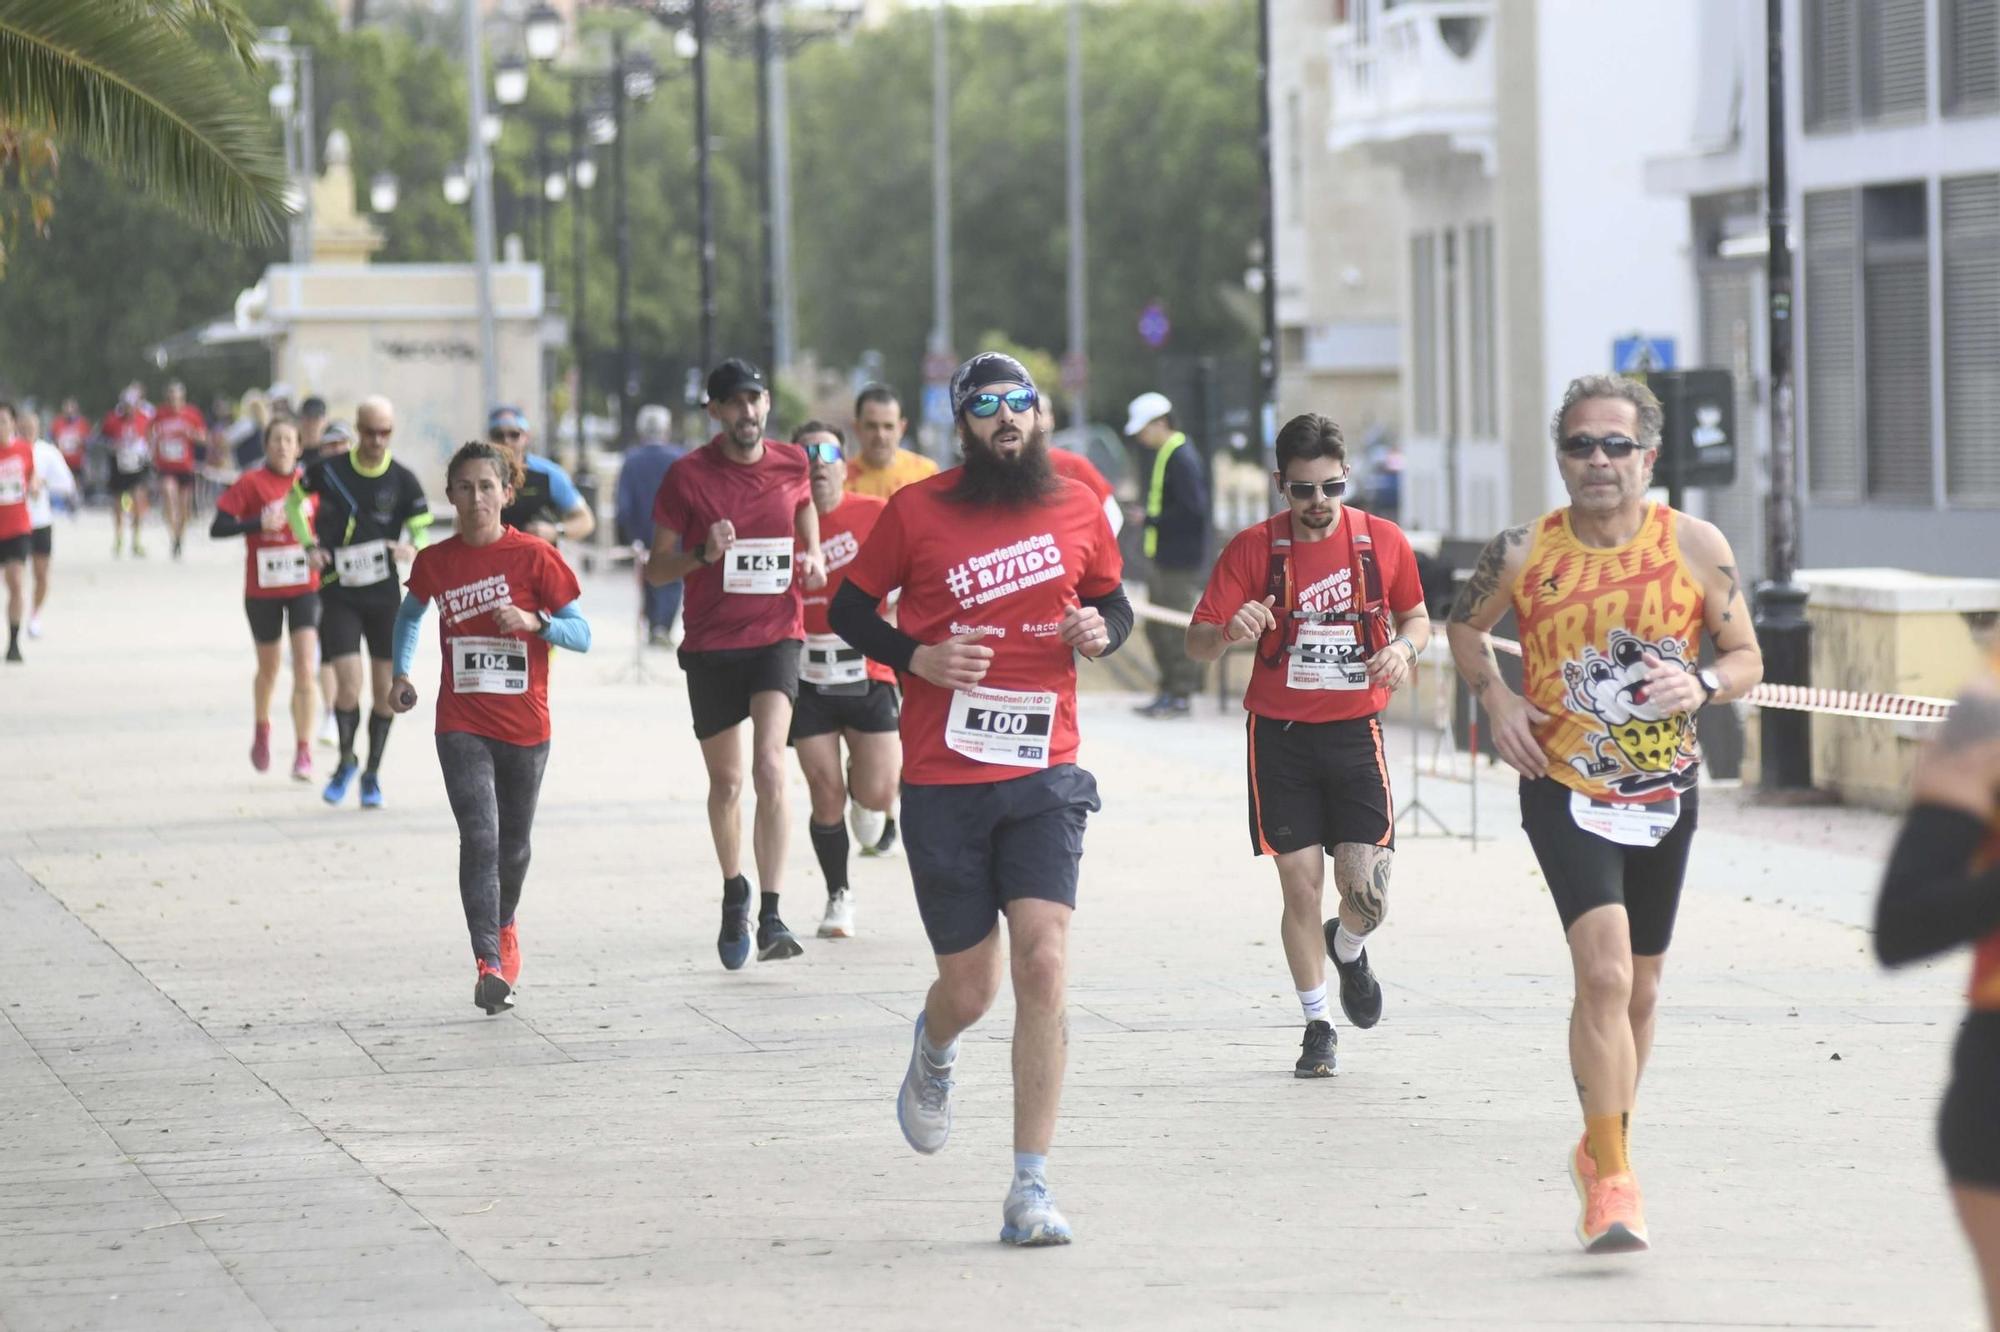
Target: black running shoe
(886,846)
(734,941)
(774,942)
(1316,1052)
(1360,992)
(492,992)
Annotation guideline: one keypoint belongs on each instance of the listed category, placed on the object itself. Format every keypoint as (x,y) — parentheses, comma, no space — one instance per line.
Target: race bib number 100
(489,666)
(1008,727)
(760,566)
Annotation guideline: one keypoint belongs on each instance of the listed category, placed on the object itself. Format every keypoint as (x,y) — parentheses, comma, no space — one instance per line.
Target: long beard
(985,477)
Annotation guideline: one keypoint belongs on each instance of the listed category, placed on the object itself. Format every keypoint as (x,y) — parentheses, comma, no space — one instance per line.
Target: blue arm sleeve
(409,623)
(567,629)
(562,491)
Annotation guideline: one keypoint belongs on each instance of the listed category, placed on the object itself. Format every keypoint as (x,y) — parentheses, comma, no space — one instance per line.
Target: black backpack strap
(1278,586)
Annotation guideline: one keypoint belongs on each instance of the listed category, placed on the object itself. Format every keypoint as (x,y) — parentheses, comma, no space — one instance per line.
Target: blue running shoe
(336,789)
(371,791)
(733,944)
(1031,1216)
(923,1105)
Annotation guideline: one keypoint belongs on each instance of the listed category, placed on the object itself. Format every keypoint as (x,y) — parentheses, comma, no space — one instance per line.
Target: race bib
(489,666)
(1327,656)
(131,455)
(13,484)
(760,566)
(1623,823)
(363,564)
(283,566)
(173,449)
(1005,726)
(828,660)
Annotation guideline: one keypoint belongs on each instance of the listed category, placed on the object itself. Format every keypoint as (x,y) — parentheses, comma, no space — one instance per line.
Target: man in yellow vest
(1176,543)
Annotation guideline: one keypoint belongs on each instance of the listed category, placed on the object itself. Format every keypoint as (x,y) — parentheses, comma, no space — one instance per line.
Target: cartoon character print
(1637,734)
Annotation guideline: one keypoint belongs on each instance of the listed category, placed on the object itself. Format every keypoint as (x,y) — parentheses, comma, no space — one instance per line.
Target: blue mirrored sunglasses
(1019,401)
(822,451)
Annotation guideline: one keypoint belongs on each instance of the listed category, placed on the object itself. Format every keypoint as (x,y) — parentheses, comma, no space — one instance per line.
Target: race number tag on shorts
(1625,824)
(828,660)
(362,565)
(489,666)
(1327,656)
(1009,727)
(283,566)
(131,455)
(761,566)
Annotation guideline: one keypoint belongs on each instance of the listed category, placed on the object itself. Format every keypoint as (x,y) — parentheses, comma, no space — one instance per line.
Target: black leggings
(492,786)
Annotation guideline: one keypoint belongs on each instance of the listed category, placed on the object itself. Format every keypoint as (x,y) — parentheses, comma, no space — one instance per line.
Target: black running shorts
(818,712)
(121,482)
(346,620)
(1585,871)
(177,480)
(1969,1122)
(268,615)
(15,549)
(720,683)
(42,541)
(975,848)
(1318,784)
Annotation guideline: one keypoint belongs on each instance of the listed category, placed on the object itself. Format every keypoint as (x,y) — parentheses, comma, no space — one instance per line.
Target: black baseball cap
(732,377)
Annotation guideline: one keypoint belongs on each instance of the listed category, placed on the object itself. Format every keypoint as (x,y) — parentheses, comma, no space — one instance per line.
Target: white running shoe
(866,824)
(329,729)
(923,1106)
(34,626)
(838,923)
(1030,1215)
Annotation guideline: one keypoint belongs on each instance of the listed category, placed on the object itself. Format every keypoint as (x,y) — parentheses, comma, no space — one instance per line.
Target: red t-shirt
(1079,468)
(1324,575)
(130,451)
(275,566)
(492,683)
(70,434)
(17,474)
(176,436)
(840,536)
(760,500)
(1014,572)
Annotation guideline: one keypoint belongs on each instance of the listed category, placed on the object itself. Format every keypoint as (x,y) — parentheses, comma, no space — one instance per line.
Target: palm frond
(189,16)
(146,100)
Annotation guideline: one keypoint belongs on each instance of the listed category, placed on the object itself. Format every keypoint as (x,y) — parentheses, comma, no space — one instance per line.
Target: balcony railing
(1414,77)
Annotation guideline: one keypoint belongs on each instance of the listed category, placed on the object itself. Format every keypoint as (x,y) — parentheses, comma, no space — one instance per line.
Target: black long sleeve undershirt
(229,525)
(1931,898)
(852,616)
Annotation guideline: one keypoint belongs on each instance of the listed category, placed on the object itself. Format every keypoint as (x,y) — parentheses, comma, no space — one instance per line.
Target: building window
(1833,360)
(1864,62)
(1896,341)
(1970,213)
(1829,63)
(1481,329)
(1424,334)
(1969,55)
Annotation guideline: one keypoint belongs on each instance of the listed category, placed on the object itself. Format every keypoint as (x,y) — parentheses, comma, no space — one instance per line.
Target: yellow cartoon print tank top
(1985,989)
(1588,618)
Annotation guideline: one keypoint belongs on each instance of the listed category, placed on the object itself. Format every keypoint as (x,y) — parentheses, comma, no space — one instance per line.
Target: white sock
(937,1058)
(1313,1001)
(1347,946)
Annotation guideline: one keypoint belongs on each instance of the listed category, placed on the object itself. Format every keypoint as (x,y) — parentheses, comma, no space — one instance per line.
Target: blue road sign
(1639,353)
(1154,326)
(937,405)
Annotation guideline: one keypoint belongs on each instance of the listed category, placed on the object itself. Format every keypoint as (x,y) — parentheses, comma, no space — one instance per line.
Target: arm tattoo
(1484,584)
(1729,601)
(1974,720)
(1361,873)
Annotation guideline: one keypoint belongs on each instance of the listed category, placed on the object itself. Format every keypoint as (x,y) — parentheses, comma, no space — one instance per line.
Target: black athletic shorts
(124,481)
(1318,784)
(817,712)
(1969,1120)
(42,541)
(347,620)
(720,683)
(1585,871)
(268,615)
(15,549)
(974,848)
(176,480)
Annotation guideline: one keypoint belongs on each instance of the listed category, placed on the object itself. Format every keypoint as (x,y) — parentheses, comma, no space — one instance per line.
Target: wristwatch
(1711,683)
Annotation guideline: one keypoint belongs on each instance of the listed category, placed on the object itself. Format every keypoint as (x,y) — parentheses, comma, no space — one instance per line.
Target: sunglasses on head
(1020,401)
(1614,446)
(504,436)
(822,451)
(1305,490)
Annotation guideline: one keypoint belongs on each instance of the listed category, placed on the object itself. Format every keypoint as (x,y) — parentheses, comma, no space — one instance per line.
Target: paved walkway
(241,1084)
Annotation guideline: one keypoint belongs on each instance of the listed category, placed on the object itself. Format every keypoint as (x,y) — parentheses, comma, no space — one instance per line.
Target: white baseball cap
(1146,407)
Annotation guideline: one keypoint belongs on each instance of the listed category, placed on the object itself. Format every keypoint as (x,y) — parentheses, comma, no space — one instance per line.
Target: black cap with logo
(732,377)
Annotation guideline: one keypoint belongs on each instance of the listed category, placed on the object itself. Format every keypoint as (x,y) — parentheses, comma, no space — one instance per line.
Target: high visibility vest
(1157,492)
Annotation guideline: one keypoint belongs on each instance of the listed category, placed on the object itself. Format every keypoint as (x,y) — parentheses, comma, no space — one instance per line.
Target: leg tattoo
(1361,873)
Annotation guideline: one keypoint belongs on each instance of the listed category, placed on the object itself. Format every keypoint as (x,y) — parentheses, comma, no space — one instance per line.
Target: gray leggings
(492,786)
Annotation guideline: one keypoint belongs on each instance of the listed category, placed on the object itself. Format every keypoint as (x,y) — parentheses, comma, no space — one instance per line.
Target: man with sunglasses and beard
(1331,600)
(547,503)
(1612,594)
(1008,572)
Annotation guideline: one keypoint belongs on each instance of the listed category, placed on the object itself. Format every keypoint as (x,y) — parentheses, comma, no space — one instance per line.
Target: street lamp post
(704,190)
(482,208)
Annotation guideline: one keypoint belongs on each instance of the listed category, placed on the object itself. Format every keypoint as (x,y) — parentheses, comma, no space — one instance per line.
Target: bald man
(351,511)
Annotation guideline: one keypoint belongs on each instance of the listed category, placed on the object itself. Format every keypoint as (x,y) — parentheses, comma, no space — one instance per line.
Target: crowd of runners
(914,636)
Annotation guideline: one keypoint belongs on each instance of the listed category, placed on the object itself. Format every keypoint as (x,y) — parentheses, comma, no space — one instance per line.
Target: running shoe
(1166,707)
(923,1104)
(886,845)
(866,824)
(260,747)
(1030,1215)
(177,547)
(1582,1170)
(34,626)
(1316,1057)
(838,923)
(775,943)
(734,941)
(302,763)
(1613,1221)
(336,787)
(329,729)
(510,953)
(1360,992)
(491,991)
(138,550)
(14,651)
(371,791)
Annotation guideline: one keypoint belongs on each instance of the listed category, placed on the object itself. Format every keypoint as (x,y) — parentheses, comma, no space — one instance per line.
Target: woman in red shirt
(503,599)
(280,589)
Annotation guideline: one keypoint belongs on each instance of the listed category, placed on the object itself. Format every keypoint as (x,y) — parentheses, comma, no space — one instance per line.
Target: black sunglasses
(504,436)
(1305,490)
(1614,446)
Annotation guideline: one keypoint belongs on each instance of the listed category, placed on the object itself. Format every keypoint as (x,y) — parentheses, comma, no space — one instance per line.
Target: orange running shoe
(492,992)
(1582,1170)
(510,954)
(1613,1221)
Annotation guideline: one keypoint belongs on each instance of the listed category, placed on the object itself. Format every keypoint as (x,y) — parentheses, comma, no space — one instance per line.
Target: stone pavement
(241,1084)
